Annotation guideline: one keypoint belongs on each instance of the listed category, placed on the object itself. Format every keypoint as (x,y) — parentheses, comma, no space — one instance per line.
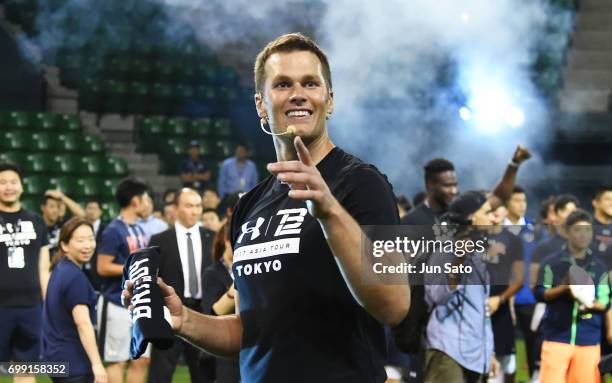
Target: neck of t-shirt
(602,218)
(14,208)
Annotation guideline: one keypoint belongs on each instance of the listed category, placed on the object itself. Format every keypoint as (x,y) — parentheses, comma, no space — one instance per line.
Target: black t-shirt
(504,249)
(22,234)
(420,215)
(300,321)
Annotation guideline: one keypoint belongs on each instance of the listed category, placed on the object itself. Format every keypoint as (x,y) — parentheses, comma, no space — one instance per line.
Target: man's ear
(260,106)
(330,102)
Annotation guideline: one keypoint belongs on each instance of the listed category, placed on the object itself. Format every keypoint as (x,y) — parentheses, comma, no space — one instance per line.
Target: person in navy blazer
(185,247)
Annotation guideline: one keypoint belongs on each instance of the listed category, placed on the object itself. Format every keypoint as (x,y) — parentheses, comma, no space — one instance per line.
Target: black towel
(148,322)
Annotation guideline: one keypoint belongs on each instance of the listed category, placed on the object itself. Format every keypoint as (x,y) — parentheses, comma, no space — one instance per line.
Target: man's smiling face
(295,93)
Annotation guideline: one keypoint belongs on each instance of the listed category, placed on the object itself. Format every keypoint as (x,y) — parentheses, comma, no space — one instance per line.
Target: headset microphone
(290,129)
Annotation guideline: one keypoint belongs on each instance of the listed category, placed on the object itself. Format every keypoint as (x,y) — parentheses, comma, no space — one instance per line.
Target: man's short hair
(6,166)
(518,189)
(576,216)
(544,205)
(128,189)
(47,198)
(437,166)
(289,43)
(210,210)
(601,190)
(177,196)
(562,200)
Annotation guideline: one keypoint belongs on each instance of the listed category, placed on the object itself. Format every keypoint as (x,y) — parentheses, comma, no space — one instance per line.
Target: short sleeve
(41,230)
(77,292)
(369,198)
(110,242)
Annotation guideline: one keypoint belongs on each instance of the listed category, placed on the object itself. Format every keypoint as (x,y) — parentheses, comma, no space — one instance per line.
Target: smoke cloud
(401,69)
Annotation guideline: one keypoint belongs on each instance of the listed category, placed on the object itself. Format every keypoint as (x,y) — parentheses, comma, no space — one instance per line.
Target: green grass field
(181,375)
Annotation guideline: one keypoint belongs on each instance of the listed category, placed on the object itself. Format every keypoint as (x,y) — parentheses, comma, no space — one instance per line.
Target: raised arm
(387,303)
(503,190)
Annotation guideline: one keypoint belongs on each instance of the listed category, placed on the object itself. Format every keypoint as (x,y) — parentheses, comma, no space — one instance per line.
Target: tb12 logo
(290,223)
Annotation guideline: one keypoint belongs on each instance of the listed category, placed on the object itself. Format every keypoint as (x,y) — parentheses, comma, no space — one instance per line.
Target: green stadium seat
(175,146)
(92,144)
(42,141)
(90,95)
(16,158)
(45,121)
(92,165)
(116,167)
(18,120)
(14,140)
(115,96)
(223,148)
(69,123)
(36,184)
(67,184)
(183,95)
(150,130)
(138,98)
(110,210)
(39,163)
(162,97)
(107,187)
(68,142)
(222,127)
(140,70)
(165,72)
(87,187)
(118,68)
(66,164)
(200,128)
(206,148)
(176,127)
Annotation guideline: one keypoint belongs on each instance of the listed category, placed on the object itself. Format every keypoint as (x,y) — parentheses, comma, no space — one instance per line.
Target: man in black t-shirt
(24,271)
(304,312)
(441,186)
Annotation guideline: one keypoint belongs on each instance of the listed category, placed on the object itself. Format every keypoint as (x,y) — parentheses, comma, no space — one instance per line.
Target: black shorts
(503,330)
(21,333)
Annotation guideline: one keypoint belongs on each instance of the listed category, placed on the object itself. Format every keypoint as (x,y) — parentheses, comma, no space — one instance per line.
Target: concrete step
(595,21)
(579,101)
(590,60)
(116,122)
(589,79)
(593,40)
(62,105)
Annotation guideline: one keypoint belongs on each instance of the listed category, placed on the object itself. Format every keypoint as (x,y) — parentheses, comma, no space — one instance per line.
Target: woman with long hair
(69,309)
(218,296)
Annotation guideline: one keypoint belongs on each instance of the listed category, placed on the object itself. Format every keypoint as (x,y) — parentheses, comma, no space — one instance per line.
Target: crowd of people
(272,278)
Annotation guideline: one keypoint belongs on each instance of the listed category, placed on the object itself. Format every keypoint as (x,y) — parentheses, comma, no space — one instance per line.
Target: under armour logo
(291,221)
(254,231)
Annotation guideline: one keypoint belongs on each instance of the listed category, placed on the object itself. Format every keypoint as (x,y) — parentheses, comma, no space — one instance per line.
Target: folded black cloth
(148,322)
